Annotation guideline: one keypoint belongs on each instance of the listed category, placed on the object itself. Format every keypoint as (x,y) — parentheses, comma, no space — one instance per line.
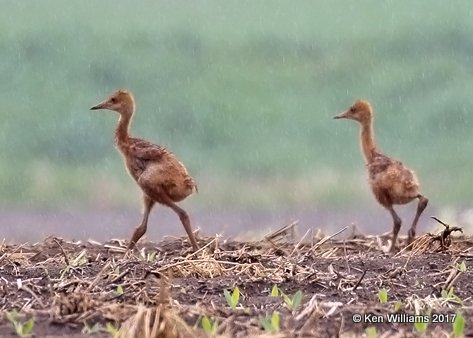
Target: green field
(242,91)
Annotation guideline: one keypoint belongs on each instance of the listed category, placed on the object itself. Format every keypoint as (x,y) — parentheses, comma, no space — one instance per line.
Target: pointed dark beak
(342,115)
(101,105)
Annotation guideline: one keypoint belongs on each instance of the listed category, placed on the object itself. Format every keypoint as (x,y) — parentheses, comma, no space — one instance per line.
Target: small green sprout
(397,306)
(451,296)
(458,325)
(233,298)
(112,329)
(87,329)
(294,302)
(80,259)
(421,327)
(149,257)
(462,266)
(210,327)
(383,296)
(270,324)
(371,332)
(119,290)
(116,271)
(22,329)
(275,291)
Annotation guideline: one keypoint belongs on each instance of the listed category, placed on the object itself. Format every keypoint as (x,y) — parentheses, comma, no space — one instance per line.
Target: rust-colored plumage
(161,177)
(391,181)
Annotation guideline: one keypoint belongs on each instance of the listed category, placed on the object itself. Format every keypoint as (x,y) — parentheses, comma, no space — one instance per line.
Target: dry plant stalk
(285,234)
(423,243)
(161,321)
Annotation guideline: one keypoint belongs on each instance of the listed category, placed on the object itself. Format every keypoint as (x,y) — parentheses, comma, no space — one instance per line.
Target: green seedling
(397,306)
(458,325)
(210,327)
(371,332)
(80,259)
(116,271)
(87,329)
(119,290)
(451,297)
(233,298)
(421,327)
(275,291)
(149,257)
(112,329)
(383,296)
(462,266)
(270,324)
(294,302)
(22,329)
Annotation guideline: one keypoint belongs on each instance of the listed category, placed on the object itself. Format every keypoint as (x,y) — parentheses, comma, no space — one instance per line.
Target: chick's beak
(343,115)
(101,105)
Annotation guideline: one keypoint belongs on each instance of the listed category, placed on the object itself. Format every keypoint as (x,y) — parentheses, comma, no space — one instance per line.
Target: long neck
(122,132)
(368,145)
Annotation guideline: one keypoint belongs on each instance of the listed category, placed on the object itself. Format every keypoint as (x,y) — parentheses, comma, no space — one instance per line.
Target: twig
(345,256)
(444,237)
(308,309)
(66,259)
(300,242)
(282,231)
(5,255)
(359,280)
(202,248)
(120,276)
(96,280)
(323,240)
(36,298)
(200,261)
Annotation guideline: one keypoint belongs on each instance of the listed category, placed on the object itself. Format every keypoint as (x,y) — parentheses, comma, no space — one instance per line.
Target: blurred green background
(243,92)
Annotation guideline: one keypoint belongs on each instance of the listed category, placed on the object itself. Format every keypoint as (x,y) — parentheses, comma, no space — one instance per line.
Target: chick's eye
(352,110)
(113,100)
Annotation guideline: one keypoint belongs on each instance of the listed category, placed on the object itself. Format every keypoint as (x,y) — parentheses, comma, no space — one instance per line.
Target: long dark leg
(183,216)
(396,227)
(423,201)
(141,229)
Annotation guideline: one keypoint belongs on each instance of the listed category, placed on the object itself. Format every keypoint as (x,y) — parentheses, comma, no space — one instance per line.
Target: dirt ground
(93,289)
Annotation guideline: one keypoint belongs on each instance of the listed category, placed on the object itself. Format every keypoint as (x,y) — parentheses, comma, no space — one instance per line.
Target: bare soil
(78,289)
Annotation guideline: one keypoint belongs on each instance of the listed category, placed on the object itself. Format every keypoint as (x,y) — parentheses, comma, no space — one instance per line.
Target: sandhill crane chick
(162,178)
(391,182)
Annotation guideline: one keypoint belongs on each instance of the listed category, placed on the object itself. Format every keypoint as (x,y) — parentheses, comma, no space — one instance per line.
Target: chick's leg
(396,227)
(183,216)
(423,201)
(140,230)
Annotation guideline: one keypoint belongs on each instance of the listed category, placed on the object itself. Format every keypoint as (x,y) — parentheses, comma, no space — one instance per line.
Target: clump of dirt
(164,289)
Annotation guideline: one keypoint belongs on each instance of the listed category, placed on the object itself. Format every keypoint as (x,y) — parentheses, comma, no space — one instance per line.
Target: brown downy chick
(162,178)
(391,181)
